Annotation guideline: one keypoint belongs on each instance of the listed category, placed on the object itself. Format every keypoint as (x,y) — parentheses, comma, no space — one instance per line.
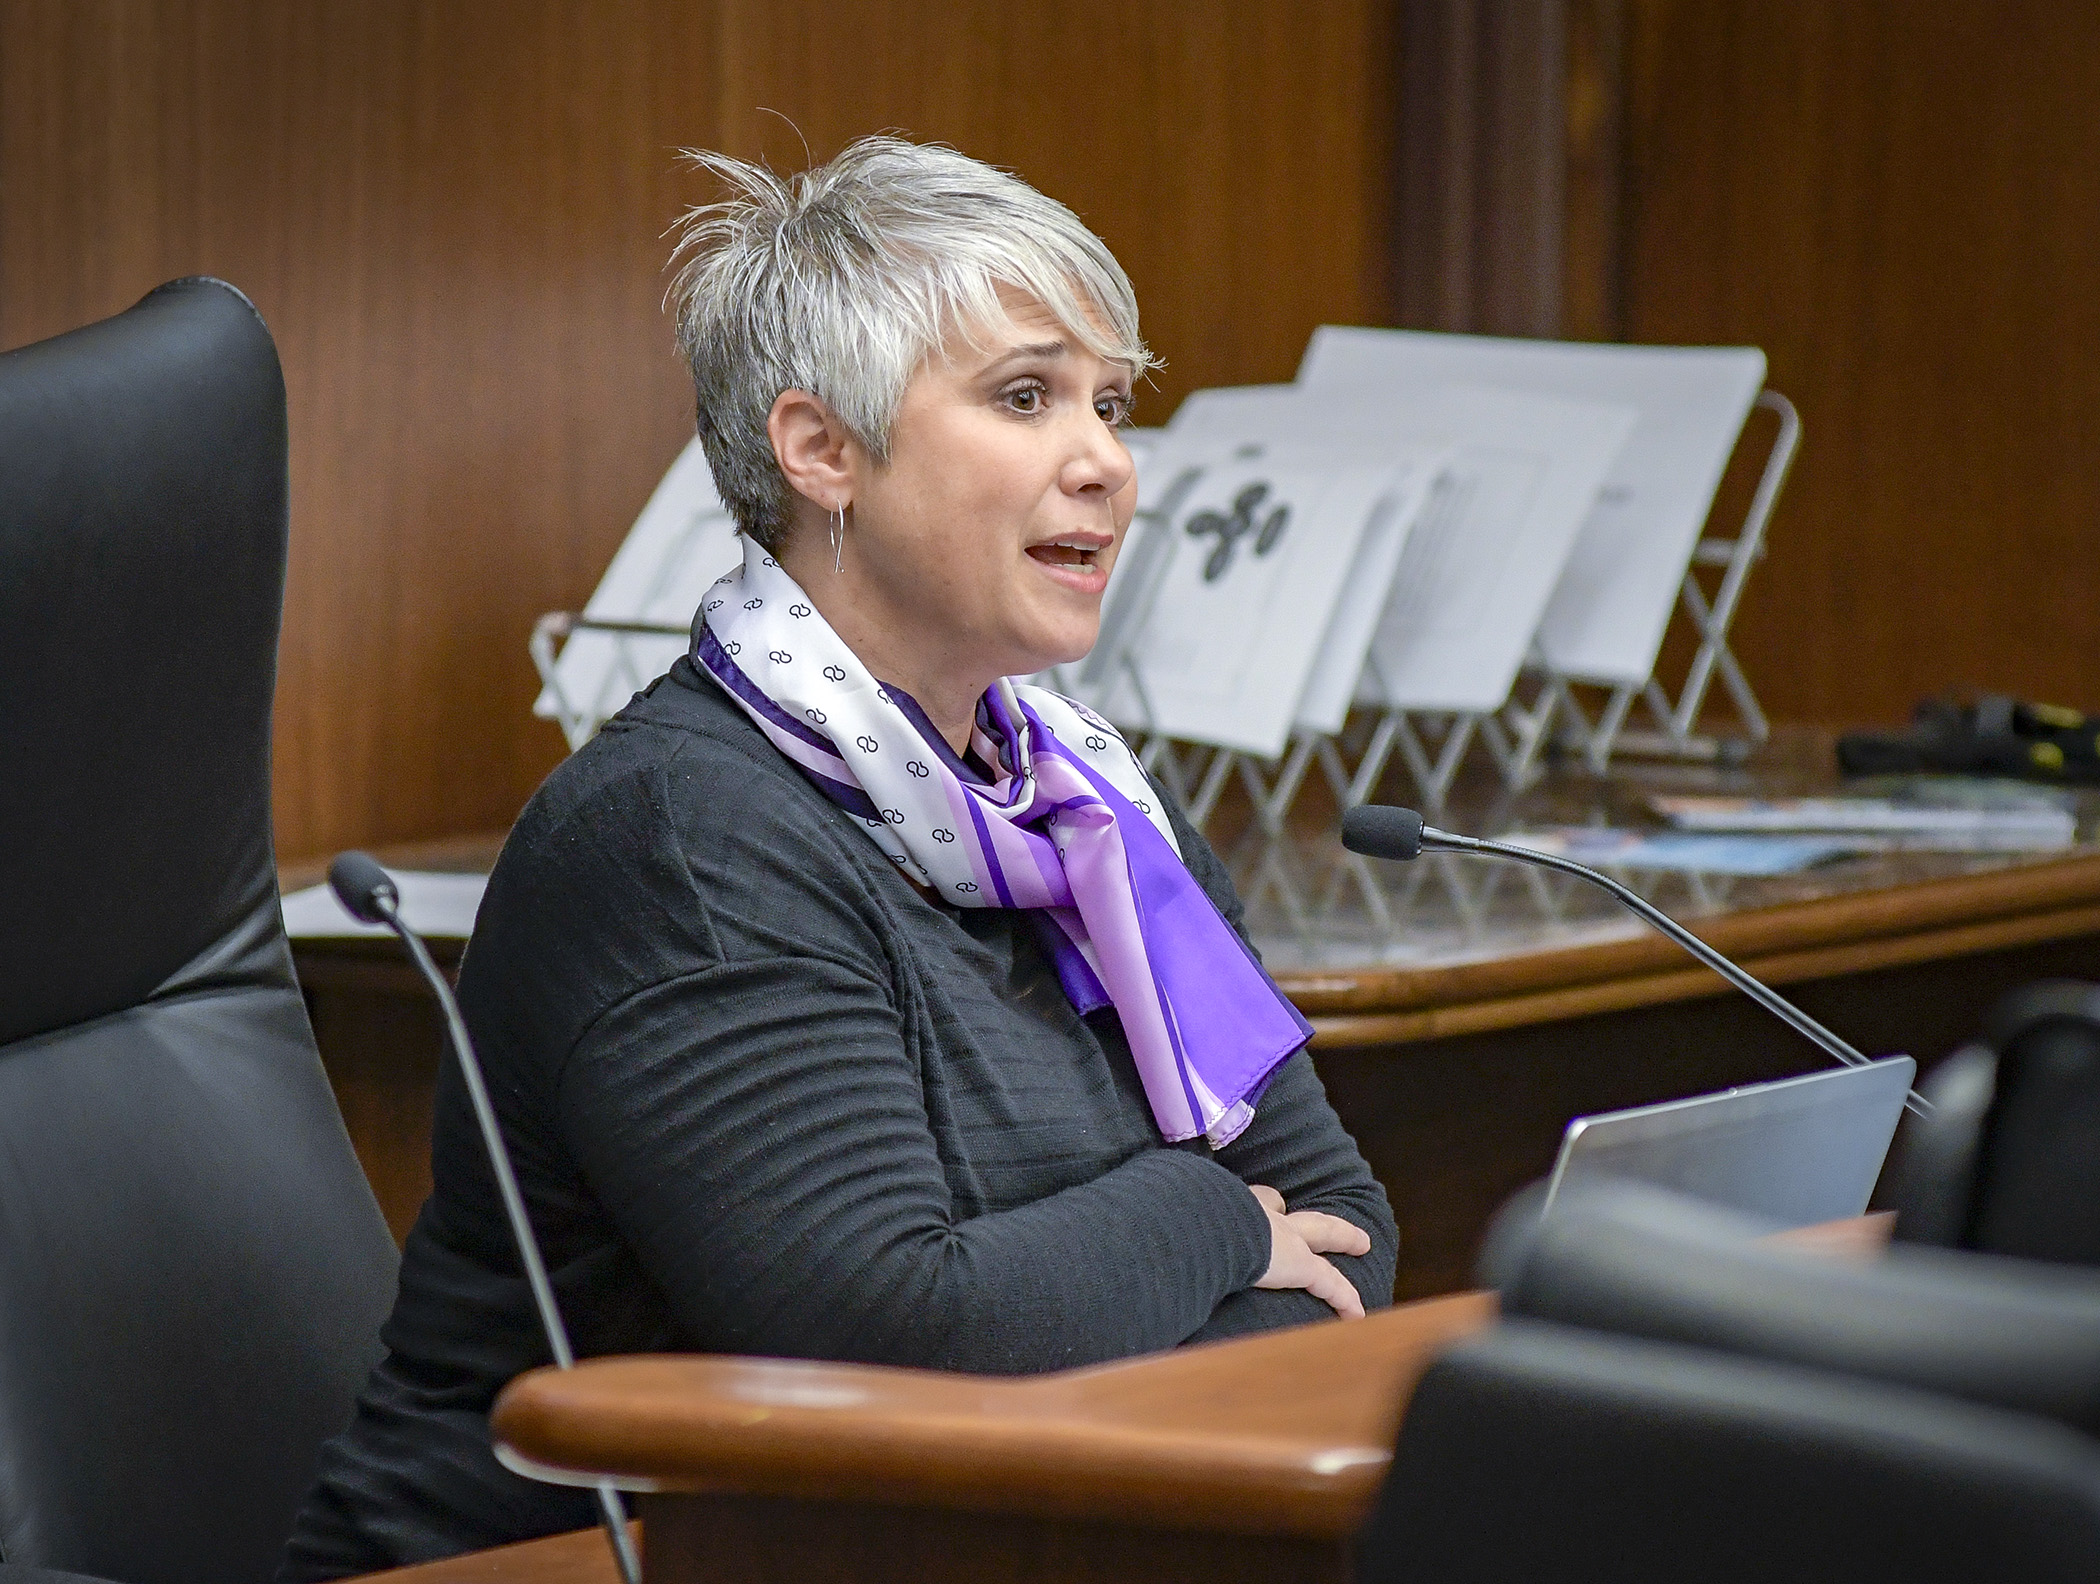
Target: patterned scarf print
(1067,823)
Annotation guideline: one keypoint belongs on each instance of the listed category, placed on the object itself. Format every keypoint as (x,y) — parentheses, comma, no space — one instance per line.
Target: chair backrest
(192,1267)
(1544,1452)
(1642,1263)
(2009,1161)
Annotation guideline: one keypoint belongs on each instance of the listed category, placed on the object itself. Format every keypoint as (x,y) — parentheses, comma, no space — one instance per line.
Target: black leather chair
(2009,1161)
(192,1268)
(1670,1400)
(1545,1452)
(1640,1262)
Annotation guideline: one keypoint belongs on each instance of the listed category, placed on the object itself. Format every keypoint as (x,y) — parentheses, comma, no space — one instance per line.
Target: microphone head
(1378,830)
(360,884)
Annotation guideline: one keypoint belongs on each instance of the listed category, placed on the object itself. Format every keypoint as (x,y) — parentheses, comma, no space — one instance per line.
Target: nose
(1099,464)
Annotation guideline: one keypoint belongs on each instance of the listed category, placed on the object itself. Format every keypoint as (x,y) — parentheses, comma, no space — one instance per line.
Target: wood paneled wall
(1900,201)
(450,212)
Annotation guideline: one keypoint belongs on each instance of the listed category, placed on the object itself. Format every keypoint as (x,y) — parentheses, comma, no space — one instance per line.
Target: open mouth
(1066,552)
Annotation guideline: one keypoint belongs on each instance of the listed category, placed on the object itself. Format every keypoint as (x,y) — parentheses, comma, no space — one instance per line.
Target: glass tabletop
(1312,906)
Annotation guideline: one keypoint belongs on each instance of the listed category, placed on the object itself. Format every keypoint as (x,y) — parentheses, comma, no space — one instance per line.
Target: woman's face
(982,547)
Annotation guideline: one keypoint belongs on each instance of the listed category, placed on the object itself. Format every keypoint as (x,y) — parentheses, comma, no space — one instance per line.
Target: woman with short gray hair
(847,998)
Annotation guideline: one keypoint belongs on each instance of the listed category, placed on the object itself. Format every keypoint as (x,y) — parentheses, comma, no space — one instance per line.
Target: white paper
(683,540)
(1354,626)
(439,905)
(1483,556)
(1242,578)
(1606,619)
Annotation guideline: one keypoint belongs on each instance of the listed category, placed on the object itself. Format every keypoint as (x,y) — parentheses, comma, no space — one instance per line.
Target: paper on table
(683,540)
(1241,572)
(1702,854)
(1473,579)
(2045,822)
(1606,619)
(436,904)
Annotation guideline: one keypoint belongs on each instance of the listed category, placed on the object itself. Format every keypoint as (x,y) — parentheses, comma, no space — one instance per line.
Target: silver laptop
(1798,1151)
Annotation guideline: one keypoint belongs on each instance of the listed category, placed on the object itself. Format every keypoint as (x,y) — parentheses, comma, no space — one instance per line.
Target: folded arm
(758,1132)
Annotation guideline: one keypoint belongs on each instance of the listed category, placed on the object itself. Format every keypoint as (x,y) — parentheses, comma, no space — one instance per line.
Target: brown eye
(1026,400)
(1112,410)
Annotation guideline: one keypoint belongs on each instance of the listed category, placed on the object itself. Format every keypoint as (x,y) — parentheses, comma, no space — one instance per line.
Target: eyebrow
(1021,354)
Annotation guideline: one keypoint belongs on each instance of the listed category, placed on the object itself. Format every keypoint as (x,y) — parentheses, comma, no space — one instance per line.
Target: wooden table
(1464,1011)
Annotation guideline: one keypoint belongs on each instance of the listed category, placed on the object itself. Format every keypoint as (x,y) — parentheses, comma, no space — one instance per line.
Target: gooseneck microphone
(1378,830)
(369,894)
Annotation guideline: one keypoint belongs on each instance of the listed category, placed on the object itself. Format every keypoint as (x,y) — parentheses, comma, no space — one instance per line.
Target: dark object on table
(1994,735)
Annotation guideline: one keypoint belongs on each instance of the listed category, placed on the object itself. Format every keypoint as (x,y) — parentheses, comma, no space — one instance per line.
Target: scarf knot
(1064,822)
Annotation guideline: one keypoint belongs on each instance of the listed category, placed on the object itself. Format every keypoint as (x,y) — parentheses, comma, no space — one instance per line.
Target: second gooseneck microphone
(369,895)
(1378,830)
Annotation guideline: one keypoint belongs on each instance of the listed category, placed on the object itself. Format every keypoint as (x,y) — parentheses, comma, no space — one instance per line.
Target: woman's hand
(1298,1239)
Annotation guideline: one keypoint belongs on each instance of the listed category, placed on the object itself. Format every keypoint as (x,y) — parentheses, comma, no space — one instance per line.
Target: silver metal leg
(1673,734)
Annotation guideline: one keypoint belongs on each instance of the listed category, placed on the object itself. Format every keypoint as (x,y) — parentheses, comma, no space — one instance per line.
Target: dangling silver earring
(838,537)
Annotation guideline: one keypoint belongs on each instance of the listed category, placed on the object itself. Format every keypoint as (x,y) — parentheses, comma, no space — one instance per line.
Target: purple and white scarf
(1068,823)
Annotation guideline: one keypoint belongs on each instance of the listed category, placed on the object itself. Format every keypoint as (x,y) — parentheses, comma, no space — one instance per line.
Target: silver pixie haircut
(843,280)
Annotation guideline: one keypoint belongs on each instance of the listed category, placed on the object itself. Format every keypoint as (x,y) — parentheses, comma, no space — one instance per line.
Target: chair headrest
(1641,1262)
(142,553)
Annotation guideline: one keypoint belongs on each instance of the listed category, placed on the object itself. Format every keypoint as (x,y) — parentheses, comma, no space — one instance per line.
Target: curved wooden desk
(1246,1460)
(1238,1460)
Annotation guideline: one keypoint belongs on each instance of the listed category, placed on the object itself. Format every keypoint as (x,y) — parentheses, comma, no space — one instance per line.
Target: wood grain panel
(451,215)
(1234,154)
(583,1557)
(740,1540)
(1900,202)
(448,214)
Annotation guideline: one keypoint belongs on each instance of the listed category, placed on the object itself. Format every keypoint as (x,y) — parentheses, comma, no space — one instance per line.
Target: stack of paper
(2037,823)
(1616,590)
(1238,606)
(1461,605)
(1606,848)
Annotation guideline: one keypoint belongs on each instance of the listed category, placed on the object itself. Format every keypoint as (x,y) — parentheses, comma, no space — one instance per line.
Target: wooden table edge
(1041,1446)
(1136,1441)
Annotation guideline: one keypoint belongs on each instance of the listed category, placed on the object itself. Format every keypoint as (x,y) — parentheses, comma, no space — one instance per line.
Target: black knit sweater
(765,1097)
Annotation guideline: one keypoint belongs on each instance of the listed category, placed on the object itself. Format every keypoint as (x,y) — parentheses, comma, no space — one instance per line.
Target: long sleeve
(758,1133)
(1297,1146)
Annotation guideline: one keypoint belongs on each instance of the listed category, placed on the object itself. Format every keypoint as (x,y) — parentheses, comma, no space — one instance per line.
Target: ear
(812,448)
